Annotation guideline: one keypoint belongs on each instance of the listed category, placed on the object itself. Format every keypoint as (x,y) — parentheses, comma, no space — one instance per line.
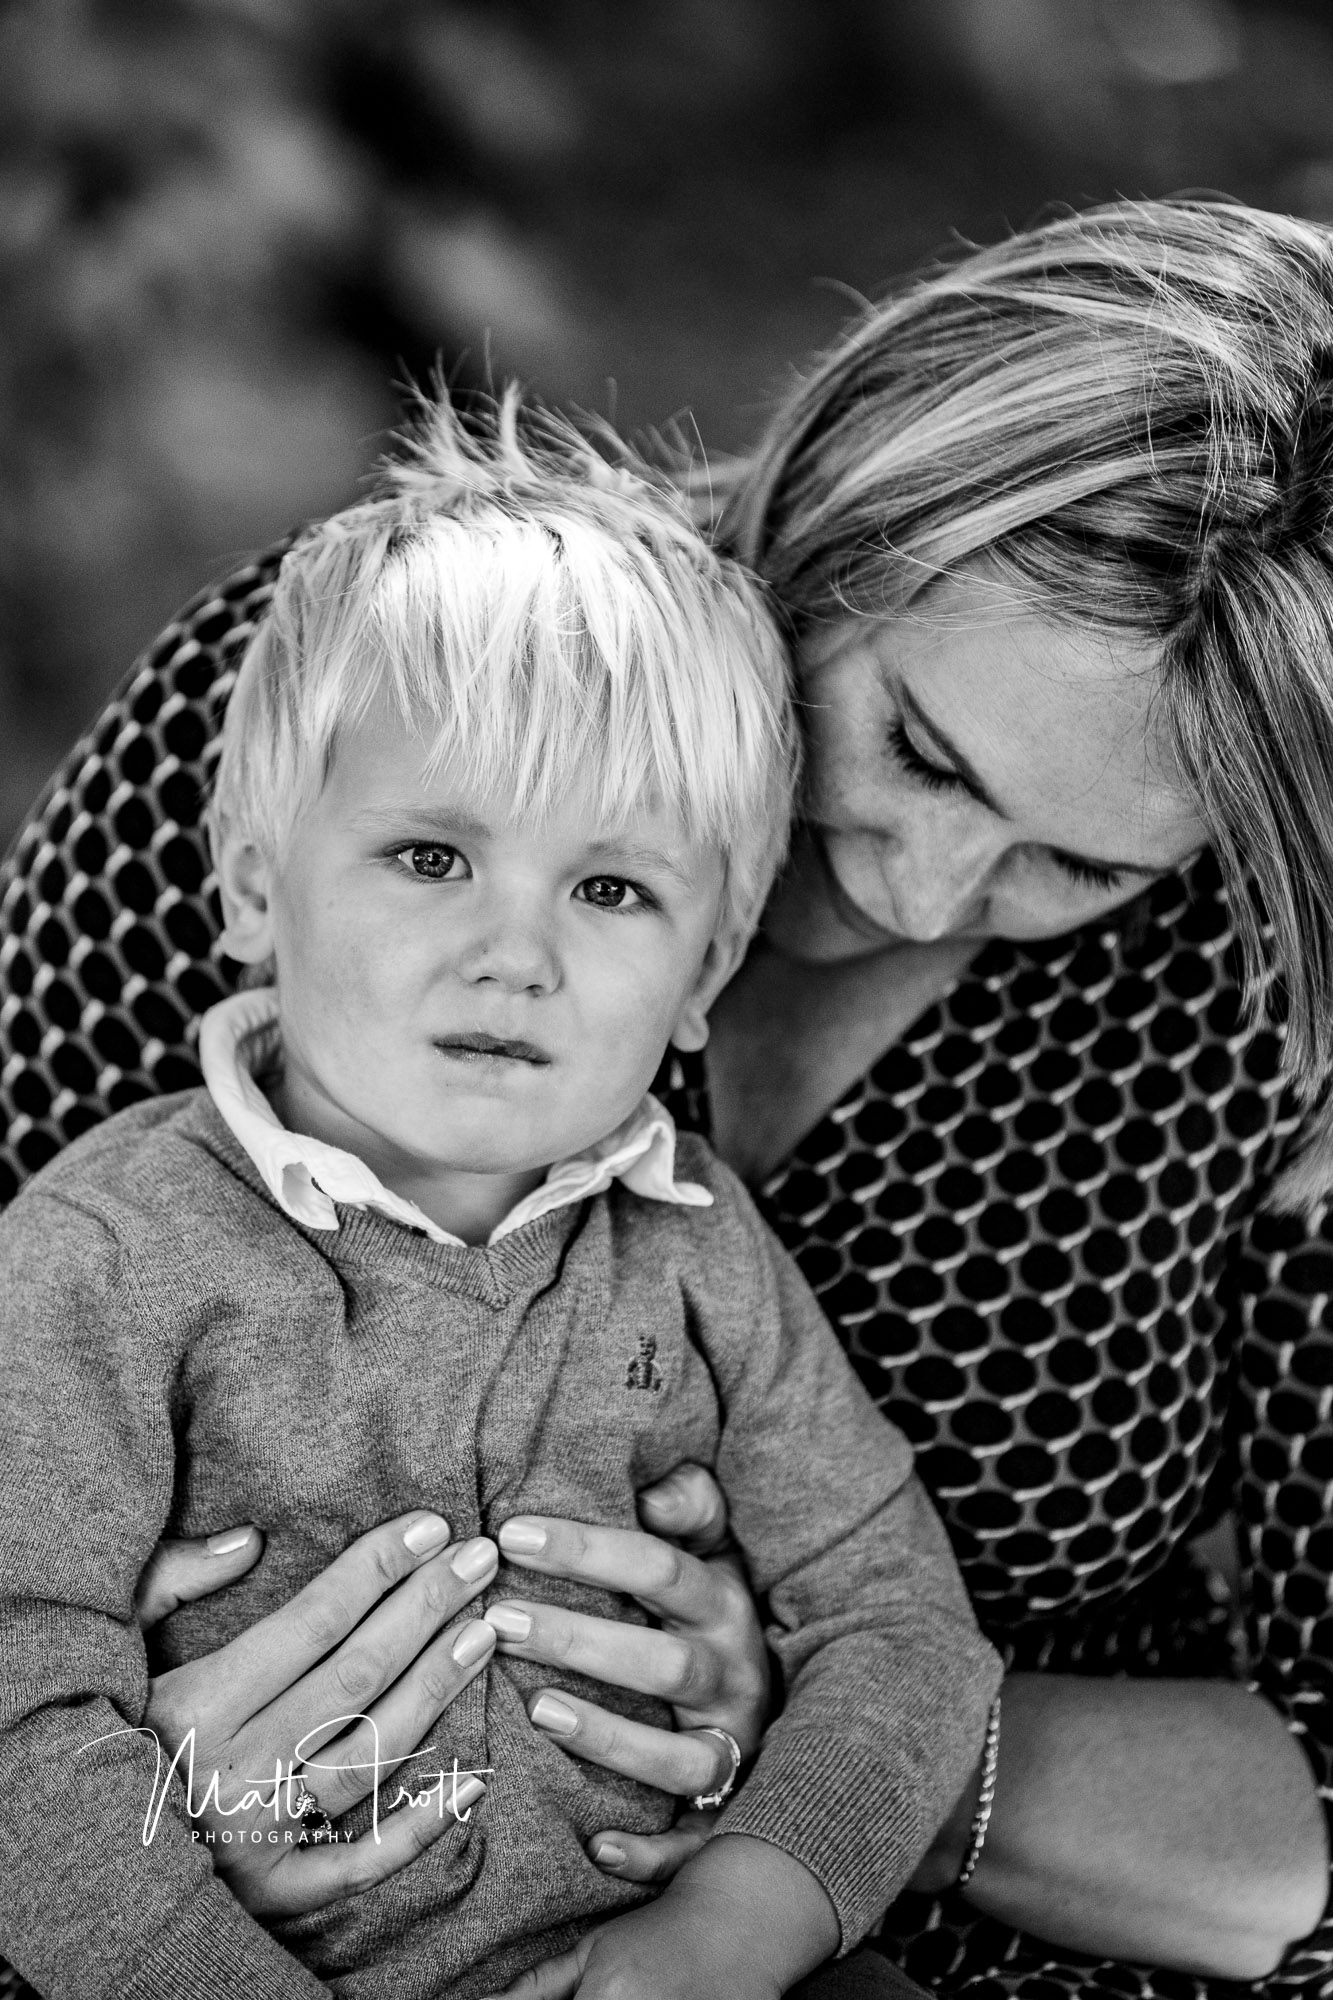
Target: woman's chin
(812,918)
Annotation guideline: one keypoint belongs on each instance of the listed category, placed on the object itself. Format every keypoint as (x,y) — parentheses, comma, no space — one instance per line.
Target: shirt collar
(239,1037)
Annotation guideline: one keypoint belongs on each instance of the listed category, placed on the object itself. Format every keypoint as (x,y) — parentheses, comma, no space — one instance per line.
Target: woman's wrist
(990,1760)
(943,1861)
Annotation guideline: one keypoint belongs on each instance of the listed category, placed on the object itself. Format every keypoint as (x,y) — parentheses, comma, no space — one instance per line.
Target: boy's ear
(244,883)
(721,959)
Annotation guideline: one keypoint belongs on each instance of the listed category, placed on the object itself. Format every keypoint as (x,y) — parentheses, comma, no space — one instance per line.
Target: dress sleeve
(100,1898)
(1284,1430)
(887,1679)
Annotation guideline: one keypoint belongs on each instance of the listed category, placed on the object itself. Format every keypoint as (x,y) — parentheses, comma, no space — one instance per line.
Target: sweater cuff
(861,1854)
(214,1947)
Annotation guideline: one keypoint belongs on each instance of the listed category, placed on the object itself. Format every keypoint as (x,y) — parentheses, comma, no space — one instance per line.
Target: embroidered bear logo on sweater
(643,1372)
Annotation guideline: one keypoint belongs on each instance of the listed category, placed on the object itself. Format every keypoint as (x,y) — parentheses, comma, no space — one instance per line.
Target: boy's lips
(490,1048)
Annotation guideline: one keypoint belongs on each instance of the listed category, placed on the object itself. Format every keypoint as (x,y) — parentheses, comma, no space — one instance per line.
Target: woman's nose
(939,881)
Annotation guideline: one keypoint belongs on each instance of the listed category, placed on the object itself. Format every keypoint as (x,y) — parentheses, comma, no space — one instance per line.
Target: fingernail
(607,1855)
(465,1793)
(473,1643)
(227,1543)
(428,1531)
(548,1713)
(471,1561)
(508,1623)
(522,1538)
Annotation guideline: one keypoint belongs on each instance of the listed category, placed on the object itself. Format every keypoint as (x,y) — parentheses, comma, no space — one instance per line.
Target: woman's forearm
(1174,1823)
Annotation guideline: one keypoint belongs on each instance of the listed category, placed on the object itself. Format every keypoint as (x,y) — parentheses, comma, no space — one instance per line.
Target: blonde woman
(1029,1065)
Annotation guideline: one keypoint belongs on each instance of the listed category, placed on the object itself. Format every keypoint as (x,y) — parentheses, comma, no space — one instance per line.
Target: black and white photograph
(666,999)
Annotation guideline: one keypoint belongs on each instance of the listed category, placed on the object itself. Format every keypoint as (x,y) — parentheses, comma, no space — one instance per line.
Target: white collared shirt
(305,1177)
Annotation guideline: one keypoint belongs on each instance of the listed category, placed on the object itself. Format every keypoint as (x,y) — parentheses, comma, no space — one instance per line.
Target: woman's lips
(491,1048)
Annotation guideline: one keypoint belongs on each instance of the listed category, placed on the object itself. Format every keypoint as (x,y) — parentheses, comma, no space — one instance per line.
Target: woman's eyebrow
(972,781)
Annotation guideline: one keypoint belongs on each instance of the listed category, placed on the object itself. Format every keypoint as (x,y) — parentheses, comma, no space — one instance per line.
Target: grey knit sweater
(175,1354)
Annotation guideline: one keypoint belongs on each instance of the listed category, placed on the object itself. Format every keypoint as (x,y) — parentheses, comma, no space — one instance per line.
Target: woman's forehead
(1059,725)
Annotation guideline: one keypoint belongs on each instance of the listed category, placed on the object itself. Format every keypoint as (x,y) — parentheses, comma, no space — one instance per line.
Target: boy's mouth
(490,1048)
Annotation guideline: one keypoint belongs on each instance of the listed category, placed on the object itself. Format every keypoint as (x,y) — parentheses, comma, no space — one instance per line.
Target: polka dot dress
(1036,1223)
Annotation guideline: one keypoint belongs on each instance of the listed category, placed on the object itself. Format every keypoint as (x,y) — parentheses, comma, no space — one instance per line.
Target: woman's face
(975,770)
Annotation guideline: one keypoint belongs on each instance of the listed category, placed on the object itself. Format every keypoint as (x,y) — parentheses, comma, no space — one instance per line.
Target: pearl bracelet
(990,1758)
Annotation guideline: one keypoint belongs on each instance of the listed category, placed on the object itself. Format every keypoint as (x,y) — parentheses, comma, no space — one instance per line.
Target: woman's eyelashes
(1086,873)
(935,777)
(939,778)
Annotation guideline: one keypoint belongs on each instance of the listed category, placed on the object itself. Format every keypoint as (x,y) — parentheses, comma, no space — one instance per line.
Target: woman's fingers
(264,1661)
(666,1580)
(708,1660)
(383,1648)
(397,1727)
(686,1763)
(651,1857)
(675,1669)
(178,1572)
(688,1505)
(307,1878)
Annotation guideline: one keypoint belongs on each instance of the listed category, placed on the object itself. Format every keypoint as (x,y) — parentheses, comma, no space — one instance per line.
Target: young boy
(505,779)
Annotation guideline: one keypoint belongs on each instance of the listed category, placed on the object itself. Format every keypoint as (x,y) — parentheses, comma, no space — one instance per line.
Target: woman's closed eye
(935,777)
(939,778)
(613,892)
(433,861)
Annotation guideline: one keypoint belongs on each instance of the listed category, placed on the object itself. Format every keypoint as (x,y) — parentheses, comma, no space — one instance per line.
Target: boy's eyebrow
(391,818)
(633,854)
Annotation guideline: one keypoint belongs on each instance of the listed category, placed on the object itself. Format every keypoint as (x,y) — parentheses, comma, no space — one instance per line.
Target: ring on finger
(708,1801)
(315,1822)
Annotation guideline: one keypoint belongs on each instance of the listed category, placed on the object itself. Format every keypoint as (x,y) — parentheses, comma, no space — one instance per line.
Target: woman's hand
(706,1656)
(339,1685)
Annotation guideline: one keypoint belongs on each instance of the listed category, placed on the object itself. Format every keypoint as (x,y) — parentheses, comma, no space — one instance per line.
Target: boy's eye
(609,892)
(432,861)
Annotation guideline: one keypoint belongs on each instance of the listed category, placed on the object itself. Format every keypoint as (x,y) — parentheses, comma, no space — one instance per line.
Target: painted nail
(427,1532)
(465,1793)
(510,1624)
(607,1855)
(471,1561)
(230,1539)
(473,1643)
(522,1538)
(548,1713)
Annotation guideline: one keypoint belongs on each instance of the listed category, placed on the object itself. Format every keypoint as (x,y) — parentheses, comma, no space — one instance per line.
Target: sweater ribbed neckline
(493,1274)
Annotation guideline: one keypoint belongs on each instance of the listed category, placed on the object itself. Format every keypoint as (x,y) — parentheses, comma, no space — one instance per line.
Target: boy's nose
(514,953)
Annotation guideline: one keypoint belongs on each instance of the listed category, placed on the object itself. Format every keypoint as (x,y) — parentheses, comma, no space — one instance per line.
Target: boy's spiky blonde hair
(543,609)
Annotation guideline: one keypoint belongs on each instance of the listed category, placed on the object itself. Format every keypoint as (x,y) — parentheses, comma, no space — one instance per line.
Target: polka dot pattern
(1036,1224)
(108,922)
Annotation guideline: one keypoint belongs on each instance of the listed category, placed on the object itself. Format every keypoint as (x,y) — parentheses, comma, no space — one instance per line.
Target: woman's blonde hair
(1129,413)
(543,610)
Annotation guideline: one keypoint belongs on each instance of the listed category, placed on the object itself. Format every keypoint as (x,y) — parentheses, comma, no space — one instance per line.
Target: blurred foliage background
(229,227)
